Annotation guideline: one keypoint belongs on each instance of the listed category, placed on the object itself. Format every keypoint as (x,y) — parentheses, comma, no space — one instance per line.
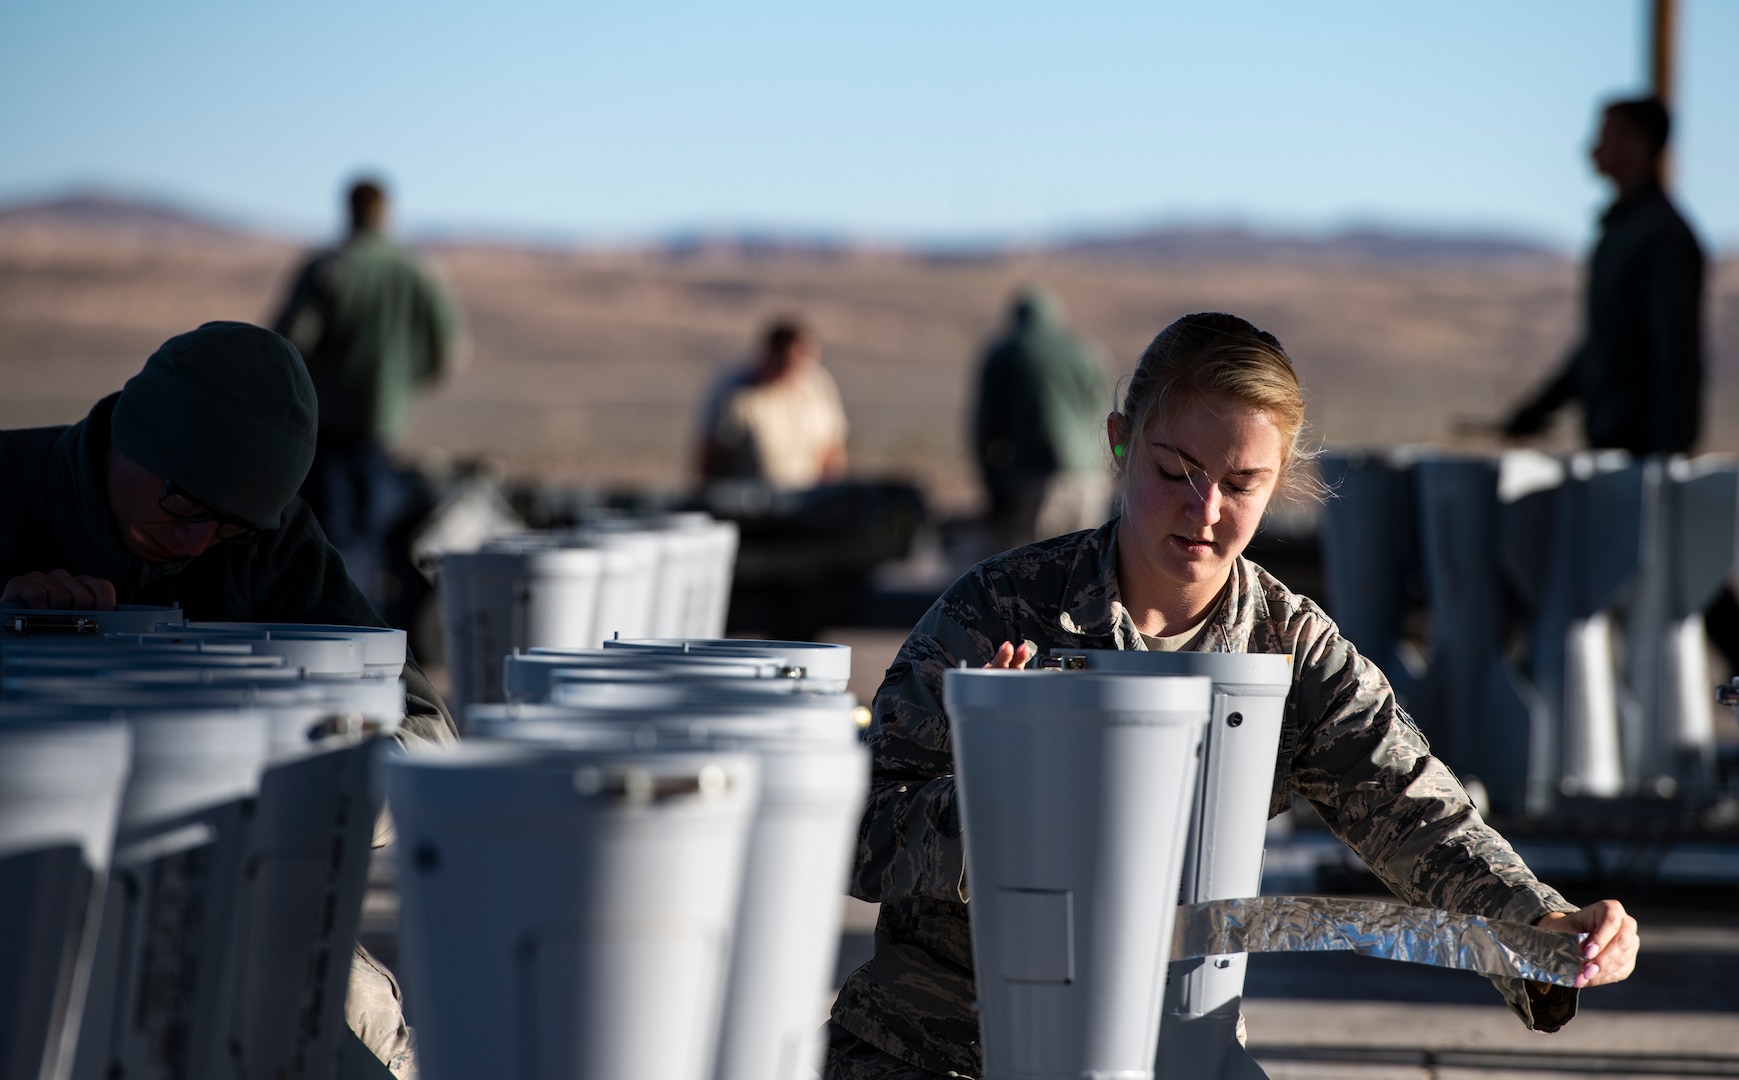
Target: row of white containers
(634,870)
(666,576)
(1602,562)
(186,816)
(635,867)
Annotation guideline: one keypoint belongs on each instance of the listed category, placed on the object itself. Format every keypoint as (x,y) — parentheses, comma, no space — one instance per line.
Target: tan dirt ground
(589,367)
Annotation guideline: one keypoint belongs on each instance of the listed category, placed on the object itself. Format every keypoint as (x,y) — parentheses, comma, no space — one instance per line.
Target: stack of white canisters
(186,816)
(635,868)
(663,576)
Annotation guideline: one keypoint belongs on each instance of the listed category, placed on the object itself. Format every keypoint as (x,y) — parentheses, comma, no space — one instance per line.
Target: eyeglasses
(183,507)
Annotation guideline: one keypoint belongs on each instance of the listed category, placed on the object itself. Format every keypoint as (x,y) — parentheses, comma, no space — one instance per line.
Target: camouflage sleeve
(909,842)
(1370,774)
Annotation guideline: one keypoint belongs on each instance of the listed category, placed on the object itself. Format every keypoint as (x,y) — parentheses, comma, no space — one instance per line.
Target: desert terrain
(588,366)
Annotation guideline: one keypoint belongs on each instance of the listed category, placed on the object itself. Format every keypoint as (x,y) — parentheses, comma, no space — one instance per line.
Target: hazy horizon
(439,232)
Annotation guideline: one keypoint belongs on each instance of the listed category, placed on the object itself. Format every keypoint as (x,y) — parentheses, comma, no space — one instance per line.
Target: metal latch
(1062,663)
(640,786)
(791,671)
(52,624)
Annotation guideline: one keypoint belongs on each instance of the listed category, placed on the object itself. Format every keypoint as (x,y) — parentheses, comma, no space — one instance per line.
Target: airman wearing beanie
(227,413)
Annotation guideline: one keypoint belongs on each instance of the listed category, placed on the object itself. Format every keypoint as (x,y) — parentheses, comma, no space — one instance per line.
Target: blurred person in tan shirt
(778,420)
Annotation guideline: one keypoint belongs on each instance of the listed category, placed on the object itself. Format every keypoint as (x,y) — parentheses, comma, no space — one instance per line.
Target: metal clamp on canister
(52,624)
(1061,663)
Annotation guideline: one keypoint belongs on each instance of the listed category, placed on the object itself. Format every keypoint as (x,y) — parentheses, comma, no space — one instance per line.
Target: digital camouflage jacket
(1346,746)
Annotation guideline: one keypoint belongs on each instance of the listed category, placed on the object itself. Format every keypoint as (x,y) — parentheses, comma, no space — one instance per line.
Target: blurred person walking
(374,328)
(1042,396)
(1638,371)
(778,420)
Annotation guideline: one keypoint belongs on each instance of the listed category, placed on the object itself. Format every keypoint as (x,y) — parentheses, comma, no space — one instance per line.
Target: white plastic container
(627,581)
(384,649)
(825,668)
(528,676)
(1075,791)
(696,562)
(311,653)
(352,707)
(281,1009)
(683,716)
(167,916)
(1228,824)
(568,913)
(814,776)
(284,970)
(60,791)
(654,689)
(103,655)
(496,601)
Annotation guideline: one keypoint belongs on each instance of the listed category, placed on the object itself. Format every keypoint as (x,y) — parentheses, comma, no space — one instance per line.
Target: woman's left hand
(1612,940)
(1010,657)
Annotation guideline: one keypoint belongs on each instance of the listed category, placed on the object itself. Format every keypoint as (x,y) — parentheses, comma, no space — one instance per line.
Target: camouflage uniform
(1346,746)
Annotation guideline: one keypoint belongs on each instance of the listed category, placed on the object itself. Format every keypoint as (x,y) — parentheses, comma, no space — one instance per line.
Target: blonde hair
(1216,353)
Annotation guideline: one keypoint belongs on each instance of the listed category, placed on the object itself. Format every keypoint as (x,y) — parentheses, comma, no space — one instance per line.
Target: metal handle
(52,624)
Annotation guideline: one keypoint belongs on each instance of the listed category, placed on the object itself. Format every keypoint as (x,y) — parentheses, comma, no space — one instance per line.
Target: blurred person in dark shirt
(1638,371)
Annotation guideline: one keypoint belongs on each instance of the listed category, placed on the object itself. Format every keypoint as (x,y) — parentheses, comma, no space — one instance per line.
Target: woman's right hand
(1010,657)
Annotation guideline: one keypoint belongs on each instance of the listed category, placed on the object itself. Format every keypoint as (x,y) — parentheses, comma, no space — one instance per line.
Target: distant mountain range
(97,210)
(1367,243)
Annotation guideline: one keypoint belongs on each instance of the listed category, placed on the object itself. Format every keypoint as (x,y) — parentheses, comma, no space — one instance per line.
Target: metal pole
(1663,36)
(1663,25)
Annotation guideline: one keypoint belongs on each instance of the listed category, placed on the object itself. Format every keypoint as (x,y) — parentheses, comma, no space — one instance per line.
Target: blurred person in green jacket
(1042,398)
(374,327)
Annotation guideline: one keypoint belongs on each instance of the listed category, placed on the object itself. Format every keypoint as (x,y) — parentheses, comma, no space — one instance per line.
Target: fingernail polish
(1590,949)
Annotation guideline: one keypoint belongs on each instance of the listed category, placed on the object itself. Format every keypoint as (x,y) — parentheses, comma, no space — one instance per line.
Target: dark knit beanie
(227,413)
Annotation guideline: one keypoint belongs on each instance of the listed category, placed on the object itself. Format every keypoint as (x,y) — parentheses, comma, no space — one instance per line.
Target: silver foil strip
(1374,928)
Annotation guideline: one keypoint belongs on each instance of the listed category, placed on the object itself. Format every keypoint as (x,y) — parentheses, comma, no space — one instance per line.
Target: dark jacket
(1345,745)
(374,327)
(1639,369)
(54,514)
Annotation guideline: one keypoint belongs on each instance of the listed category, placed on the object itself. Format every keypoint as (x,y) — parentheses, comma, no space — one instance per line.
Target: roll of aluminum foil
(1379,929)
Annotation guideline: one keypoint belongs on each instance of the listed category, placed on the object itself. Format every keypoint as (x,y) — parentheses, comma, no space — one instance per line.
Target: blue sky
(893,120)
